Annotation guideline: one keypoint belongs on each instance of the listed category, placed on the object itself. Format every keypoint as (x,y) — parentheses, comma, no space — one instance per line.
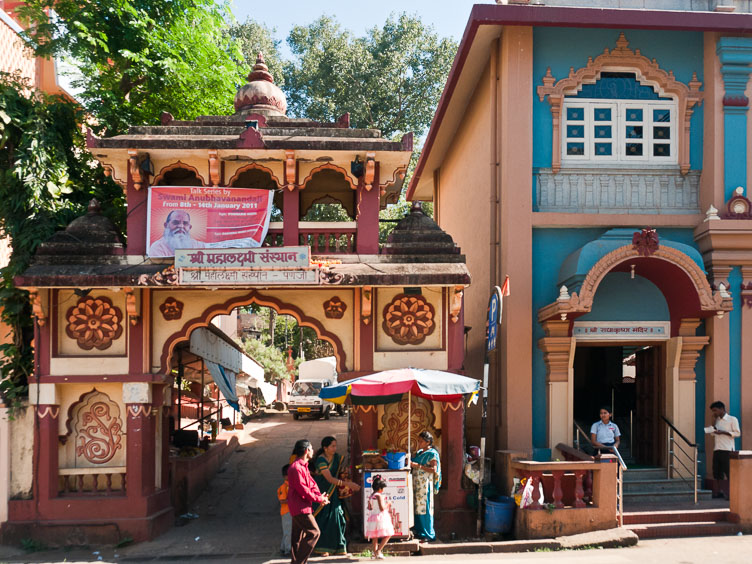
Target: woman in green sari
(426,468)
(327,465)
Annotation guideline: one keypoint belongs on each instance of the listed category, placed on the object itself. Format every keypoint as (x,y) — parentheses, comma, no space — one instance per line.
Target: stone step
(641,474)
(395,548)
(663,485)
(686,529)
(684,516)
(640,498)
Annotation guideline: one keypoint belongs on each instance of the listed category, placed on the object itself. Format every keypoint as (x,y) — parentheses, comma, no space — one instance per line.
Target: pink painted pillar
(452,455)
(291,216)
(47,459)
(368,217)
(141,450)
(137,214)
(456,337)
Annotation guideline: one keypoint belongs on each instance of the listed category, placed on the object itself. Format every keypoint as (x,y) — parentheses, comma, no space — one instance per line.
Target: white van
(313,375)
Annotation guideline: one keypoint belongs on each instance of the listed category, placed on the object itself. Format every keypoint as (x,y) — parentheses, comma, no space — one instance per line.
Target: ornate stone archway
(252,297)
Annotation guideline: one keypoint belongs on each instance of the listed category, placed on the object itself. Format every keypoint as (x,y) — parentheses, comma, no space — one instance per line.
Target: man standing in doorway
(725,430)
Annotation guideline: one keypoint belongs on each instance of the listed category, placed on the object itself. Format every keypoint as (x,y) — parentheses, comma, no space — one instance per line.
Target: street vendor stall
(391,387)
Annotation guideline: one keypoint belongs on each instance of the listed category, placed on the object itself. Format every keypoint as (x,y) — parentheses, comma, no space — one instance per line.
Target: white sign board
(622,330)
(266,257)
(219,277)
(399,491)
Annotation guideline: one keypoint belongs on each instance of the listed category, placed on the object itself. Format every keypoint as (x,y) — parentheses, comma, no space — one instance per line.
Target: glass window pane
(634,132)
(662,116)
(576,131)
(575,114)
(603,131)
(661,150)
(575,148)
(602,114)
(634,149)
(634,114)
(603,149)
(661,133)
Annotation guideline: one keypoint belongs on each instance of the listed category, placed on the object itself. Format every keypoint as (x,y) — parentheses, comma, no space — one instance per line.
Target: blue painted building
(598,157)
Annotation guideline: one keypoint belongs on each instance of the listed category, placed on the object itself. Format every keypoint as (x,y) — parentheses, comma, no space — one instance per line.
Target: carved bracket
(130,306)
(290,170)
(36,306)
(399,174)
(139,176)
(456,305)
(647,72)
(747,294)
(214,169)
(370,171)
(366,304)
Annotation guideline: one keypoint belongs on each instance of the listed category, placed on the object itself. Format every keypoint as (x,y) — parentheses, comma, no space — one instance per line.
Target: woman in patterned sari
(327,465)
(426,468)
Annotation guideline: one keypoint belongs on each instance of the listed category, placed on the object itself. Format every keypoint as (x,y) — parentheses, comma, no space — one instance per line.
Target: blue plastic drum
(499,514)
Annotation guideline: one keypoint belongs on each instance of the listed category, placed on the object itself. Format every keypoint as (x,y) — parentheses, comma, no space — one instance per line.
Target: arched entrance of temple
(624,333)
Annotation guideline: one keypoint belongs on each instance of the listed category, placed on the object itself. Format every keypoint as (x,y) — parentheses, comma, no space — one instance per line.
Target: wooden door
(647,420)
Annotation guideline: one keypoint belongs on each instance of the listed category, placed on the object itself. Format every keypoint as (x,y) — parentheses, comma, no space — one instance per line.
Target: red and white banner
(201,217)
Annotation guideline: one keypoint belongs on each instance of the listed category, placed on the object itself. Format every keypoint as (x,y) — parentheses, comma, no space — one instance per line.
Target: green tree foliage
(46,179)
(271,358)
(254,38)
(138,58)
(391,79)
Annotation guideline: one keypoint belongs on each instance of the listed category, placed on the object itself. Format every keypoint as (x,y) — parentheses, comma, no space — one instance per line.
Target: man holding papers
(724,431)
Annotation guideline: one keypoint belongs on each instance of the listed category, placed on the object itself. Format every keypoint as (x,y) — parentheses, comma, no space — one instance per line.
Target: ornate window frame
(623,59)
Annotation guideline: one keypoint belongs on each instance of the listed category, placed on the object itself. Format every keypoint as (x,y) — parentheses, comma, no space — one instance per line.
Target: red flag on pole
(505,287)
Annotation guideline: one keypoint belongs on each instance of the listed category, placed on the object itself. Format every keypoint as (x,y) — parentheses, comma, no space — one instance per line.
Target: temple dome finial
(260,95)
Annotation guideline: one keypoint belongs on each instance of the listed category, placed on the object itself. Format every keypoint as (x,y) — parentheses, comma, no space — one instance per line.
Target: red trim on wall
(43,342)
(251,297)
(549,16)
(367,217)
(135,345)
(136,220)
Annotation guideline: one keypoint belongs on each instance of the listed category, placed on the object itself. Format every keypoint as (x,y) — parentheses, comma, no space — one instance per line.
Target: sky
(447,18)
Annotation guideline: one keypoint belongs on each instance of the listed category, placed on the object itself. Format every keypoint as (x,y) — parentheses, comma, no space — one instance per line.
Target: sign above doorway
(621,330)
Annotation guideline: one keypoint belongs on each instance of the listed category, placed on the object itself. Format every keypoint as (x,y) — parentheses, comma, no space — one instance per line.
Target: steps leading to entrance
(685,523)
(650,485)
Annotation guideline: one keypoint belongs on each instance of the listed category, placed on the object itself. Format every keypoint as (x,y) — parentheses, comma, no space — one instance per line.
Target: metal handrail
(678,432)
(671,445)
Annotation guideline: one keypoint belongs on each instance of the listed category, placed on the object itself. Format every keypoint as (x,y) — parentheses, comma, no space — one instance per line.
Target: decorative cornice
(735,55)
(214,168)
(291,170)
(456,303)
(399,174)
(646,71)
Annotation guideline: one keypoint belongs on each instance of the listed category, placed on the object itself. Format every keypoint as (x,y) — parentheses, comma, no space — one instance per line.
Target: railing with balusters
(326,238)
(92,481)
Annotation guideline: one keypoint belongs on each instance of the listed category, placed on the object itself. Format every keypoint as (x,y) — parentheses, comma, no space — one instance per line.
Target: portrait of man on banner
(199,217)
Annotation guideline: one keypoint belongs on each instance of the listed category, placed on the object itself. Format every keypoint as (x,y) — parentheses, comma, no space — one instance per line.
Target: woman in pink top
(302,494)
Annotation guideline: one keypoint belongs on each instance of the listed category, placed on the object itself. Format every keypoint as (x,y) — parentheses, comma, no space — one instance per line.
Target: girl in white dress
(379,523)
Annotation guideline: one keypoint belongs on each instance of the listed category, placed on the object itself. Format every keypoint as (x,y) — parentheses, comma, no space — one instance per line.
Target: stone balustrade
(92,481)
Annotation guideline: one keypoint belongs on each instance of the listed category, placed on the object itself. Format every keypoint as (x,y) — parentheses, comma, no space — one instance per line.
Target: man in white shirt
(726,429)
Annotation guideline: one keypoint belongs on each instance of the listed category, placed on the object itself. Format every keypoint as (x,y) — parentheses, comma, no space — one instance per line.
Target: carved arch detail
(254,166)
(95,424)
(329,166)
(708,301)
(252,297)
(648,72)
(179,164)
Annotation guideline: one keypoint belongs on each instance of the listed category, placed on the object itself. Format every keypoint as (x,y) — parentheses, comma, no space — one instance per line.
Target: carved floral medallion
(334,308)
(171,309)
(94,323)
(409,319)
(97,427)
(645,242)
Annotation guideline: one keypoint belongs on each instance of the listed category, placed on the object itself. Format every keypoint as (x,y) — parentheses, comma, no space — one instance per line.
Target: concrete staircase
(651,486)
(658,507)
(680,523)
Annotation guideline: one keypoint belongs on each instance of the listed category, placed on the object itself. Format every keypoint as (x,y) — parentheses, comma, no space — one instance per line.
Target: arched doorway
(622,295)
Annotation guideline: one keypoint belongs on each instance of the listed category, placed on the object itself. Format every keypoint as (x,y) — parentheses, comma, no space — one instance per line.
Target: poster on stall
(205,217)
(398,491)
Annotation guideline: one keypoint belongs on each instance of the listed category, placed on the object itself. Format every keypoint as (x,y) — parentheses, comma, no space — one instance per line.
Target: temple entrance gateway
(628,378)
